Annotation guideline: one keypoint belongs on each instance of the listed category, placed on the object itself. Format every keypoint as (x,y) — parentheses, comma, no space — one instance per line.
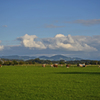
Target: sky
(50,27)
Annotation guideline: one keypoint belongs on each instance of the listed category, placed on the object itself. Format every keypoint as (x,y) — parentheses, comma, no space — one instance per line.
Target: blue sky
(42,20)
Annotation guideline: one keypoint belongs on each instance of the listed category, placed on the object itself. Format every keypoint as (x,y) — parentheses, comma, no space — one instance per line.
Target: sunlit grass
(33,82)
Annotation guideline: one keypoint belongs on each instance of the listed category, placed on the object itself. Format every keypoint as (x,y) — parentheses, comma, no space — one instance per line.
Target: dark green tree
(15,62)
(21,62)
(61,62)
(0,62)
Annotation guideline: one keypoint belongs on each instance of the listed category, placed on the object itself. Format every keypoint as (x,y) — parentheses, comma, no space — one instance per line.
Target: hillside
(52,58)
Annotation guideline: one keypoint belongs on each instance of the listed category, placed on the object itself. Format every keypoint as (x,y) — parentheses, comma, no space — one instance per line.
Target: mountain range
(52,58)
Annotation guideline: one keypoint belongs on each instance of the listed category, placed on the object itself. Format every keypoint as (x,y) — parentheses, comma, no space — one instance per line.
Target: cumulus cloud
(53,26)
(93,41)
(73,46)
(30,41)
(86,22)
(68,43)
(59,35)
(60,42)
(1,47)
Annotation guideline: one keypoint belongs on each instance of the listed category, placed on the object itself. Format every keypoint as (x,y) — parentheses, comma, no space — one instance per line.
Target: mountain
(43,58)
(17,57)
(58,57)
(52,58)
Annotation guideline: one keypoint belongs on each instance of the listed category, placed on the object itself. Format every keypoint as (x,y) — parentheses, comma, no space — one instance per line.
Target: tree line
(37,60)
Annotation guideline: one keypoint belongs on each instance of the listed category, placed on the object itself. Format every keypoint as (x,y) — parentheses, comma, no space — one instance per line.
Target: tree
(0,62)
(15,62)
(99,62)
(6,63)
(21,62)
(30,62)
(26,62)
(33,62)
(94,62)
(62,62)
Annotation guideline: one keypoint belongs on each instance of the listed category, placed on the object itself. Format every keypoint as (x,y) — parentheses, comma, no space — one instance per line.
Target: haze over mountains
(52,58)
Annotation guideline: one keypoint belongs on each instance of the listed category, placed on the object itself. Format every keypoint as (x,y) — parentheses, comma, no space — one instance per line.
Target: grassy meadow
(33,82)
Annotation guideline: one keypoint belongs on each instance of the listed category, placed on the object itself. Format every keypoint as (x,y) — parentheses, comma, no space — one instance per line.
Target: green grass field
(38,83)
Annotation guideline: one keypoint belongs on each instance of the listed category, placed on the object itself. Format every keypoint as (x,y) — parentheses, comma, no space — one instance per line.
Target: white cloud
(61,42)
(73,46)
(59,35)
(1,47)
(93,41)
(68,43)
(29,41)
